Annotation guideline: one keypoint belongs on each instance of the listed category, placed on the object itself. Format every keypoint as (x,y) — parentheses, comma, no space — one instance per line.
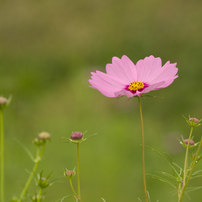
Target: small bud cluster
(42,139)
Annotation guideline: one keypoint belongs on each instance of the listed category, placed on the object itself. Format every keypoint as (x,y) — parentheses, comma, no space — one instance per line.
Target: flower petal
(167,74)
(105,83)
(123,69)
(147,68)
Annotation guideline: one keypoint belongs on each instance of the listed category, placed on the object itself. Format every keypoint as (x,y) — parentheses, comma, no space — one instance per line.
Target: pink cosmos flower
(125,78)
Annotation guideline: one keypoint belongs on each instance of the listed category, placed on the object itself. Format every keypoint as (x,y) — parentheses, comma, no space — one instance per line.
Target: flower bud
(194,122)
(43,182)
(3,102)
(76,135)
(42,139)
(44,136)
(198,157)
(69,173)
(191,142)
(36,198)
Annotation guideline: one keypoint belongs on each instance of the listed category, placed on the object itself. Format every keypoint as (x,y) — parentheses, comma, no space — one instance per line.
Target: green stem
(186,157)
(2,155)
(78,174)
(143,154)
(39,196)
(192,169)
(37,160)
(70,181)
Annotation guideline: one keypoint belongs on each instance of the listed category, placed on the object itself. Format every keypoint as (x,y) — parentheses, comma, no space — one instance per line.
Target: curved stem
(70,181)
(2,155)
(78,174)
(143,154)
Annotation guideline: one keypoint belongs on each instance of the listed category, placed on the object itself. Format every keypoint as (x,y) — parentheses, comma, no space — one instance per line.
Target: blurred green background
(47,51)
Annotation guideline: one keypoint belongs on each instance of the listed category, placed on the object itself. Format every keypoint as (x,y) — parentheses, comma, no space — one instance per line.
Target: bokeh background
(47,51)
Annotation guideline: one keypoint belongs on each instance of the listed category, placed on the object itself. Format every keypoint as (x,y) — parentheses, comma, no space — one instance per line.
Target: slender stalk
(37,160)
(192,169)
(39,195)
(143,149)
(186,157)
(2,155)
(78,174)
(70,181)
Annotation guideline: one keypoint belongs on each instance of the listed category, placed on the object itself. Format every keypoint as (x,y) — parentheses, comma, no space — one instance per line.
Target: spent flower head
(123,77)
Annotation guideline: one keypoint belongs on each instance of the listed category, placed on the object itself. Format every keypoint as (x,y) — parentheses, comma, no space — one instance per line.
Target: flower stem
(37,160)
(39,196)
(78,174)
(70,181)
(192,168)
(2,155)
(186,157)
(143,154)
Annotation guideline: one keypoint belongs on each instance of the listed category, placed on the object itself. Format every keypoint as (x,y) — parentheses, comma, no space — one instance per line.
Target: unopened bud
(3,102)
(191,142)
(69,173)
(43,183)
(36,198)
(195,120)
(44,136)
(76,135)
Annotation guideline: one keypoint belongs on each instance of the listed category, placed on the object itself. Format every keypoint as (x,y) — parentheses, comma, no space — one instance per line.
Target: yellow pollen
(136,85)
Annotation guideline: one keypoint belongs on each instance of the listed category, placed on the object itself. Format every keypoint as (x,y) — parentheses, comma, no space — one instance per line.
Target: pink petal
(167,74)
(123,69)
(147,68)
(106,84)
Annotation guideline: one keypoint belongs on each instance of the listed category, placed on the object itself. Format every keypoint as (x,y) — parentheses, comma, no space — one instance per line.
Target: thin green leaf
(25,148)
(193,189)
(170,165)
(196,176)
(165,181)
(103,199)
(167,175)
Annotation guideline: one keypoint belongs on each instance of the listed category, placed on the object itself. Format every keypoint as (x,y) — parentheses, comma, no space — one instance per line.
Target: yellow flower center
(136,85)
